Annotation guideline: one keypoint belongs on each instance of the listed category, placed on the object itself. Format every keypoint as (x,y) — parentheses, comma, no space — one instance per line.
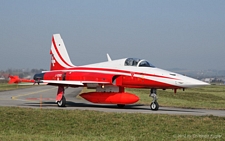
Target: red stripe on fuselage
(115,70)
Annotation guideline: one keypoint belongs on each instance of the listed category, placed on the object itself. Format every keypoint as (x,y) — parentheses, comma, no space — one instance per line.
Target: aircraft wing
(62,82)
(75,78)
(77,83)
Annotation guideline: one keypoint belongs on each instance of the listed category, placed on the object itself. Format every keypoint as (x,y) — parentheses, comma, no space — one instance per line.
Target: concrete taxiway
(44,97)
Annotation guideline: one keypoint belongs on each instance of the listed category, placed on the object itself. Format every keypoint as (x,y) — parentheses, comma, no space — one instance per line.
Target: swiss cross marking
(53,61)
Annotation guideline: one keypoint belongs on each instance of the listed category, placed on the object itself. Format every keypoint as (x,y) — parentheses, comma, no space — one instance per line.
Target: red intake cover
(110,97)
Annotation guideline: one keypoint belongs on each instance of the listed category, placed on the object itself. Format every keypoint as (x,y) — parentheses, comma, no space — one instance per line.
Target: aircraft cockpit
(137,62)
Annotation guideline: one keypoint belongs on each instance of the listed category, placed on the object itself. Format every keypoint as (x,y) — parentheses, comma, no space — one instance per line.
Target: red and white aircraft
(109,78)
(16,79)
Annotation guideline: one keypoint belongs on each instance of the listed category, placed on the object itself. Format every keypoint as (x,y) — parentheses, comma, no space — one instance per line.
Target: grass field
(6,86)
(48,124)
(54,125)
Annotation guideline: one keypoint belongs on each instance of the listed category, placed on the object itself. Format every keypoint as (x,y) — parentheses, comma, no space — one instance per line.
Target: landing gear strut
(154,105)
(60,98)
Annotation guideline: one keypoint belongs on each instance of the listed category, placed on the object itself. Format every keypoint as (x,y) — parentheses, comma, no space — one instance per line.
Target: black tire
(154,106)
(62,102)
(120,105)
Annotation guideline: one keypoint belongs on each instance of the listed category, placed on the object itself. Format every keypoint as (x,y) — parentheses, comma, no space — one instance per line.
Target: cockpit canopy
(137,62)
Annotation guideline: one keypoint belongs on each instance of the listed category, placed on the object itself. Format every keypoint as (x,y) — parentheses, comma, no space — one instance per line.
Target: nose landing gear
(154,105)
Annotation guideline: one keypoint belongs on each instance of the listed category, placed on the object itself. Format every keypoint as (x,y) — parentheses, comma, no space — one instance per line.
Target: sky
(188,34)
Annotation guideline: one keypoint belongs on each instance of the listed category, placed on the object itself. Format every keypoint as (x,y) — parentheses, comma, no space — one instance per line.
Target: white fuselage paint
(160,74)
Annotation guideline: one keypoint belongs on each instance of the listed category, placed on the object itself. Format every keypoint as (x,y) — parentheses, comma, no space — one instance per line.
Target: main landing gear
(60,98)
(154,105)
(62,102)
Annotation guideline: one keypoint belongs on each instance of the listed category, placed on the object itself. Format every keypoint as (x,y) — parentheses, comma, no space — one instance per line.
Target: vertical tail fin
(59,57)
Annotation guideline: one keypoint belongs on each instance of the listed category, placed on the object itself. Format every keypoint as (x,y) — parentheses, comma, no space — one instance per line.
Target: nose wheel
(154,105)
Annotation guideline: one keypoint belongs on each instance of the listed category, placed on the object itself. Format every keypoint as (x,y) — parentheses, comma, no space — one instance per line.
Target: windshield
(137,62)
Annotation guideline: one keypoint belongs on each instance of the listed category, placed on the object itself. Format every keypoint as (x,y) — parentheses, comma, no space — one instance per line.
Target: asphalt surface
(44,97)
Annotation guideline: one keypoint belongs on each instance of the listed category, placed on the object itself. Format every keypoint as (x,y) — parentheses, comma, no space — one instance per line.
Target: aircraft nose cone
(201,83)
(191,82)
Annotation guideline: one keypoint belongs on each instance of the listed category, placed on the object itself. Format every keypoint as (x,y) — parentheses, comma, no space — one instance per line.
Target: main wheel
(62,102)
(154,106)
(120,105)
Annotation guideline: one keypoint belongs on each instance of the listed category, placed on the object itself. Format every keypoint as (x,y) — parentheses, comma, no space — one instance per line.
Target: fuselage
(146,77)
(118,73)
